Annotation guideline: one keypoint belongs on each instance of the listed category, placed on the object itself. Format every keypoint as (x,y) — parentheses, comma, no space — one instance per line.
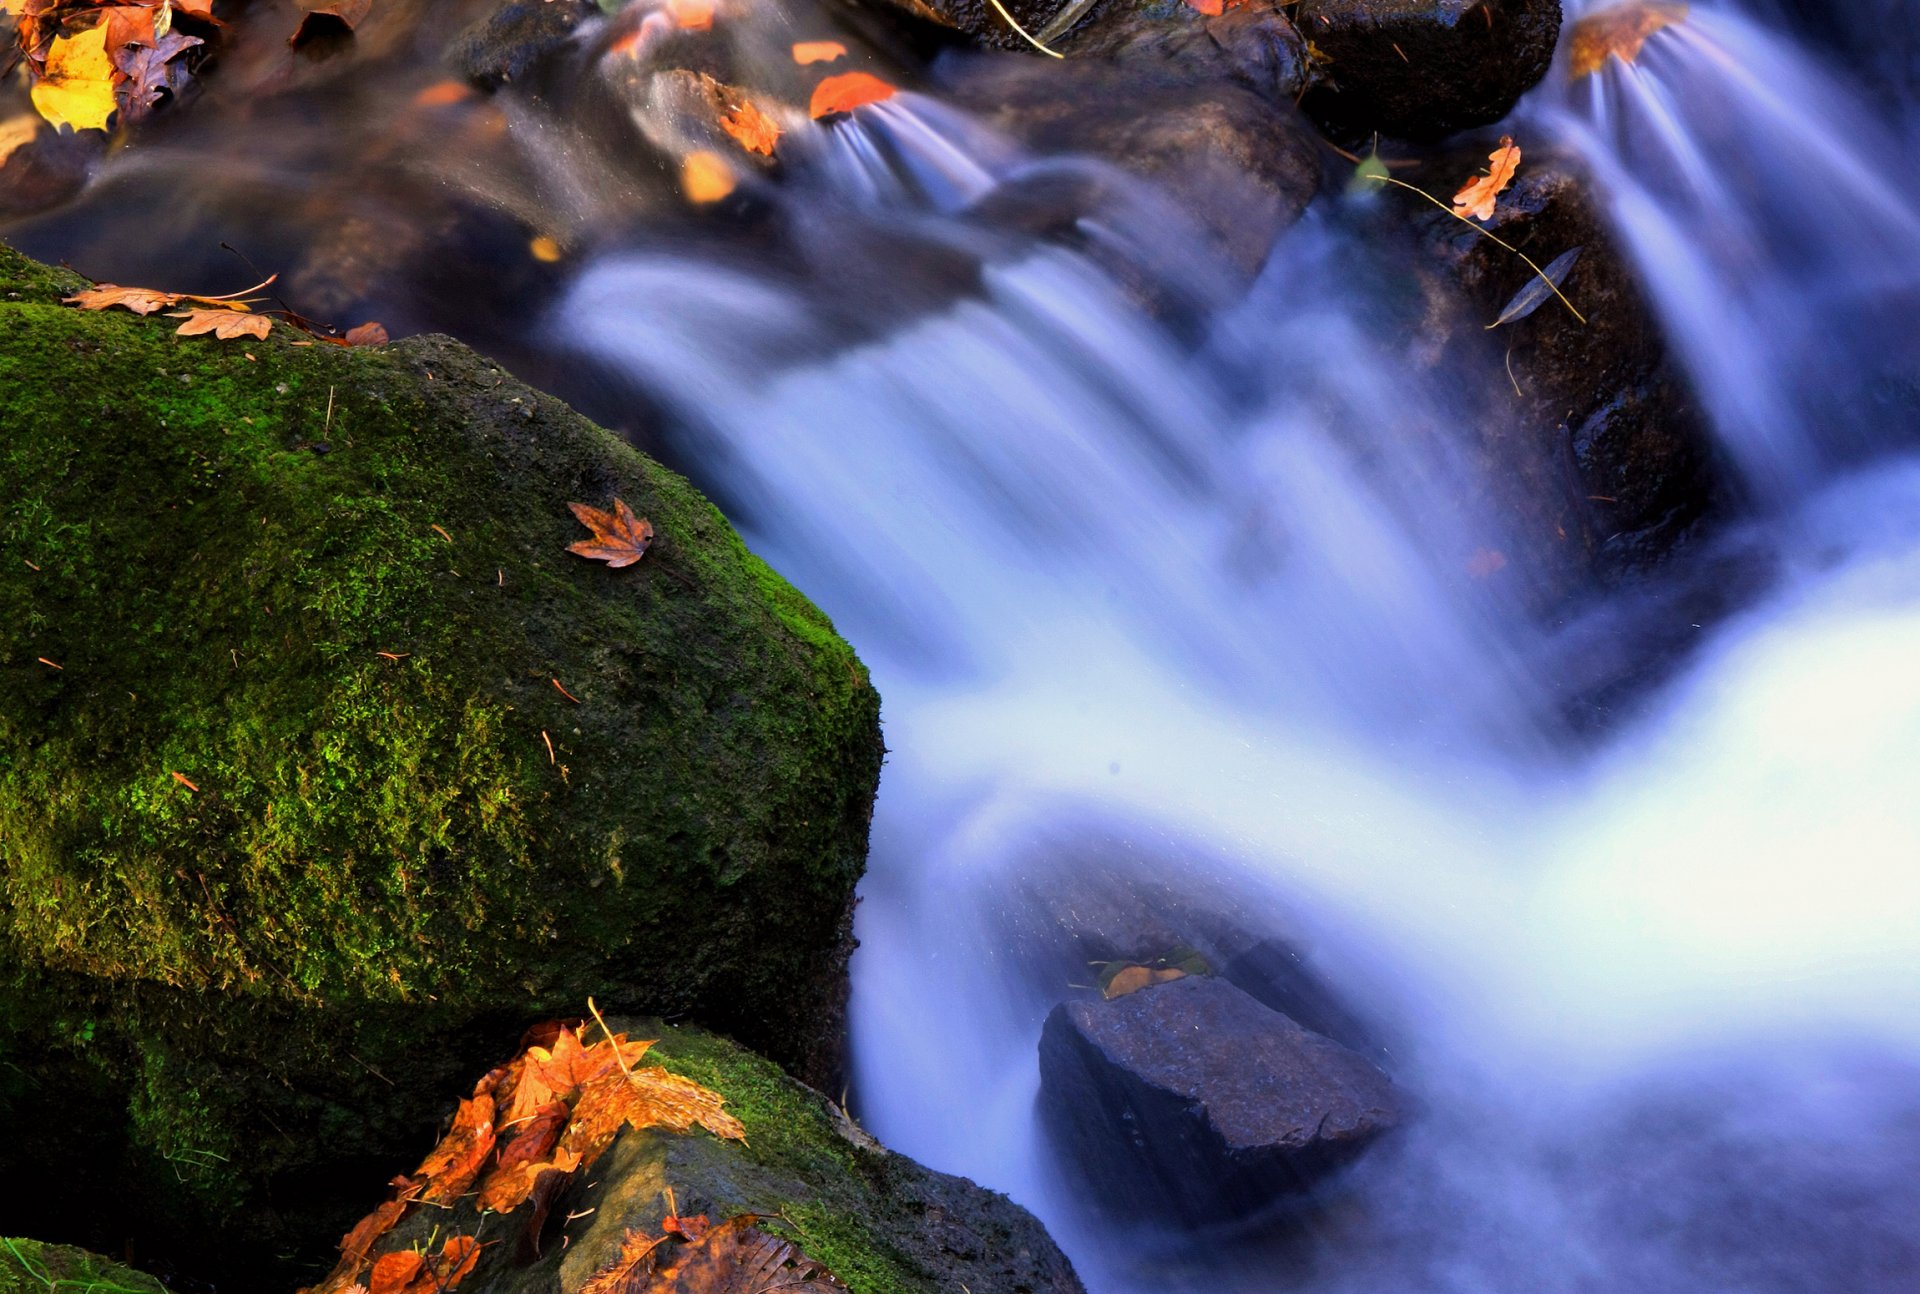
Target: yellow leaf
(1617,33)
(77,88)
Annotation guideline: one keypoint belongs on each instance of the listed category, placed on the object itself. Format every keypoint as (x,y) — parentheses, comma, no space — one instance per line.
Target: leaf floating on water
(1539,288)
(1476,196)
(76,87)
(705,177)
(691,15)
(818,51)
(619,539)
(847,91)
(153,72)
(1620,32)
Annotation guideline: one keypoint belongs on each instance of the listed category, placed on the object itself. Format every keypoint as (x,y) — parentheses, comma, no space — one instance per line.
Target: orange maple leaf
(1476,196)
(752,129)
(619,538)
(847,91)
(817,51)
(454,1164)
(224,324)
(1619,33)
(646,1098)
(738,1255)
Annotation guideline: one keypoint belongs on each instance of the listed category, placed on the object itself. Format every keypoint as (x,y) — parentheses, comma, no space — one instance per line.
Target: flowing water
(1168,616)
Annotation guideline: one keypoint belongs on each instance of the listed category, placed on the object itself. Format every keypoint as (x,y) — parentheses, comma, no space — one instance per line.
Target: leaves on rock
(847,91)
(76,86)
(224,324)
(1620,32)
(154,71)
(619,538)
(1132,979)
(1476,197)
(817,51)
(751,128)
(736,1257)
(367,334)
(631,1269)
(1539,289)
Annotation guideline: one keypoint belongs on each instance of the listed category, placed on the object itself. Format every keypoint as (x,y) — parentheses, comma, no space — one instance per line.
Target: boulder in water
(1423,69)
(1190,1099)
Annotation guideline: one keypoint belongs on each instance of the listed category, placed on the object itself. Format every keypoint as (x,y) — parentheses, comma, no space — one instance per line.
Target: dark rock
(1604,431)
(1190,1099)
(1424,69)
(879,1221)
(513,40)
(1239,163)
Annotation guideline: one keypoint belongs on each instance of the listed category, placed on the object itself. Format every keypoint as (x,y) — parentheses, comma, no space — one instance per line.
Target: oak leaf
(224,324)
(1476,196)
(817,51)
(619,538)
(152,72)
(751,128)
(76,87)
(847,91)
(1619,32)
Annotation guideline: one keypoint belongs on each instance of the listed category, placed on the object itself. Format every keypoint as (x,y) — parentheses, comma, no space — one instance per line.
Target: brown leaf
(691,15)
(394,1272)
(619,538)
(628,1273)
(457,1160)
(752,129)
(1476,196)
(367,334)
(358,1243)
(705,177)
(847,91)
(104,296)
(153,72)
(737,1257)
(818,51)
(1619,32)
(652,1097)
(322,17)
(127,24)
(224,324)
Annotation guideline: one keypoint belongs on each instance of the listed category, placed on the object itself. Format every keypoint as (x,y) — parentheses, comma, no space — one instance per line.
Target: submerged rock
(295,814)
(508,44)
(1191,1100)
(878,1221)
(1423,69)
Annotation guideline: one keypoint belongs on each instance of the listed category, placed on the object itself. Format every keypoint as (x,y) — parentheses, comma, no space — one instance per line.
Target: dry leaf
(545,250)
(1476,196)
(76,87)
(392,1273)
(847,91)
(443,94)
(628,1273)
(817,51)
(104,296)
(650,1098)
(691,15)
(152,72)
(457,1160)
(224,324)
(752,129)
(1134,978)
(705,177)
(737,1257)
(1619,33)
(367,334)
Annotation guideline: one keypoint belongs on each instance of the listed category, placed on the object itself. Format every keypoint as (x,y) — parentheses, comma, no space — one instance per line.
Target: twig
(1002,11)
(1486,233)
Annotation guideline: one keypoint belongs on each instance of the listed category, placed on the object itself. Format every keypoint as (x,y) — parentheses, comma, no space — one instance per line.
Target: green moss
(280,739)
(29,1267)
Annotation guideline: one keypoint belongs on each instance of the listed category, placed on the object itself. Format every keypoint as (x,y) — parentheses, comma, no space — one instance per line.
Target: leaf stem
(611,1041)
(1002,11)
(1485,233)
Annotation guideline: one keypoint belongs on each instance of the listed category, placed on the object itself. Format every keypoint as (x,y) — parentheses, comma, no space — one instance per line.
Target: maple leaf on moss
(224,324)
(619,537)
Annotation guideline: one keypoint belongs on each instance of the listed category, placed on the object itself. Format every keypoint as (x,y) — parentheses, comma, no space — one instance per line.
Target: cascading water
(1157,619)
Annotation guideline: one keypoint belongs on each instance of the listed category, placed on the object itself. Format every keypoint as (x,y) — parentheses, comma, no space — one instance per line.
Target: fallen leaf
(847,91)
(394,1272)
(442,94)
(1539,288)
(367,334)
(454,1164)
(1619,33)
(544,249)
(129,24)
(17,132)
(1132,979)
(358,1243)
(202,9)
(817,51)
(1211,8)
(705,177)
(76,87)
(323,16)
(1476,196)
(628,1273)
(691,15)
(737,1257)
(152,72)
(104,296)
(619,538)
(685,1228)
(224,324)
(649,1098)
(752,129)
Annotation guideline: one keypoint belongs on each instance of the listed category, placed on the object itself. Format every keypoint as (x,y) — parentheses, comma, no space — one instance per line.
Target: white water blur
(1193,618)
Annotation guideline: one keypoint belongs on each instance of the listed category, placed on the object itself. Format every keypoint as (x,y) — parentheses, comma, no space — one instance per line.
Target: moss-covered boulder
(878,1221)
(324,766)
(29,1267)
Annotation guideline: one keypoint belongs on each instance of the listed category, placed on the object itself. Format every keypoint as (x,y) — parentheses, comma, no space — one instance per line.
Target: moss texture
(881,1223)
(29,1267)
(329,589)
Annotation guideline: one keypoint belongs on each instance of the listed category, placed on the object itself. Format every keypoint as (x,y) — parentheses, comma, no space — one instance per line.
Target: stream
(1166,606)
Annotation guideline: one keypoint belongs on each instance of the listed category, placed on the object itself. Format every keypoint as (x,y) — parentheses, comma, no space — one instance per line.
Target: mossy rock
(293,808)
(29,1267)
(878,1221)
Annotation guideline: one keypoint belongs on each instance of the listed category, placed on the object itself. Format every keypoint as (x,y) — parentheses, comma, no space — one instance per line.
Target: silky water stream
(1166,610)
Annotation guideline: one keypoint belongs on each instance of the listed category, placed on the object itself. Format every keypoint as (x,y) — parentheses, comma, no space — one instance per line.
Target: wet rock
(1190,1099)
(879,1221)
(1241,165)
(1423,69)
(1596,418)
(514,39)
